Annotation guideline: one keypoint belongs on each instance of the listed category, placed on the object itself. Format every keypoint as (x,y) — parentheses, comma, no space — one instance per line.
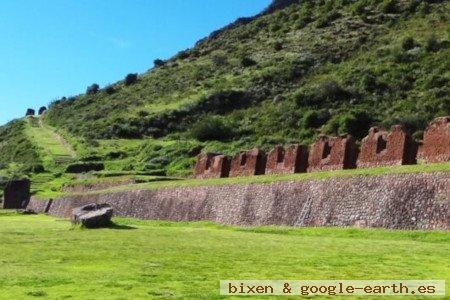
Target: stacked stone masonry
(396,201)
(333,153)
(382,148)
(436,142)
(211,165)
(293,159)
(248,163)
(16,194)
(379,148)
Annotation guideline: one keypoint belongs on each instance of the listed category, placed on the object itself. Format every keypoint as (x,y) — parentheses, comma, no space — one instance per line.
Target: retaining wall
(402,201)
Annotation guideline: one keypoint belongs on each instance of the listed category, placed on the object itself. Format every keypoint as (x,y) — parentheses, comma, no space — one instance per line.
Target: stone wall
(382,148)
(436,142)
(379,148)
(16,194)
(212,165)
(248,163)
(403,201)
(333,153)
(293,159)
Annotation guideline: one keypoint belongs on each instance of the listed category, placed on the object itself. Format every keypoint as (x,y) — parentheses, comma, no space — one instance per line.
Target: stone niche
(435,147)
(212,165)
(333,153)
(382,148)
(248,163)
(16,194)
(293,159)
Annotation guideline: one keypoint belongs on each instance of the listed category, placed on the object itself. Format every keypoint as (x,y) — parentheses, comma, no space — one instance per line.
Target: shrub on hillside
(110,90)
(327,19)
(356,123)
(278,46)
(159,63)
(389,6)
(247,62)
(327,93)
(92,89)
(212,128)
(219,60)
(433,44)
(84,167)
(131,79)
(314,118)
(408,43)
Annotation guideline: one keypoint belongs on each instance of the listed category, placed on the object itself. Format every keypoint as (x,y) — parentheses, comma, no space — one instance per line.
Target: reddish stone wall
(333,153)
(293,159)
(381,148)
(211,165)
(395,201)
(436,142)
(248,163)
(16,194)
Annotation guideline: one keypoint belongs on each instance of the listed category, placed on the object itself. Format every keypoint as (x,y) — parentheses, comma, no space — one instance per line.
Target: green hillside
(292,72)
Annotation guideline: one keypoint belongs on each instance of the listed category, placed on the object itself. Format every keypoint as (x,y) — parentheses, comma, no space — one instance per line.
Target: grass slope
(313,67)
(44,257)
(52,148)
(156,184)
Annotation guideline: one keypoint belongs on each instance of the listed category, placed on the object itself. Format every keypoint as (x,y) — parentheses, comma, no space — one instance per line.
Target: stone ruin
(16,194)
(30,112)
(42,110)
(293,159)
(212,165)
(379,148)
(248,163)
(333,153)
(382,148)
(435,147)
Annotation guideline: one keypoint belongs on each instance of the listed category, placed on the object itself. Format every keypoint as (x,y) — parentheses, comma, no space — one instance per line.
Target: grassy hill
(286,75)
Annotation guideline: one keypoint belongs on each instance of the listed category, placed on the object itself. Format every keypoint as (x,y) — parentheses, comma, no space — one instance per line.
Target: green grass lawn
(45,257)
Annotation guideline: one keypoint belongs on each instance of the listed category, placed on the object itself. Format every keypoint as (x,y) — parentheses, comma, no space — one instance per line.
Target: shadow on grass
(112,226)
(120,227)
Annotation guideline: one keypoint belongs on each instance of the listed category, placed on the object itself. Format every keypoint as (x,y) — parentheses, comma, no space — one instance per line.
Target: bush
(84,167)
(356,123)
(211,128)
(278,46)
(91,157)
(219,60)
(408,44)
(326,20)
(359,8)
(314,119)
(433,44)
(326,93)
(159,63)
(247,62)
(389,6)
(131,79)
(93,89)
(110,90)
(38,168)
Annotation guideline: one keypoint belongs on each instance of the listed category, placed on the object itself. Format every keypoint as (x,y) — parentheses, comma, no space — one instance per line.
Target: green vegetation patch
(46,257)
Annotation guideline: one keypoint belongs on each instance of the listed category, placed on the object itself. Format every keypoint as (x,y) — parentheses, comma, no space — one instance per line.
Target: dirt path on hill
(60,139)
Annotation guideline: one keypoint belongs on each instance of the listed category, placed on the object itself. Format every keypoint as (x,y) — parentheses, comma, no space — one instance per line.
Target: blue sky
(55,48)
